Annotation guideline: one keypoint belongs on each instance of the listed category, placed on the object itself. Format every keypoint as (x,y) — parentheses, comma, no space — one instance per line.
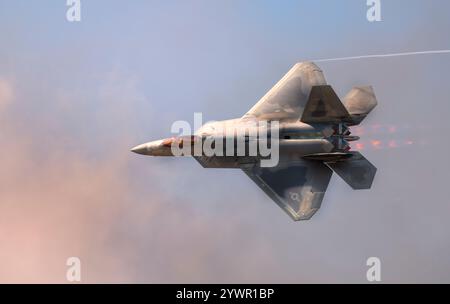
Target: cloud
(70,187)
(6,93)
(67,205)
(57,201)
(53,208)
(126,224)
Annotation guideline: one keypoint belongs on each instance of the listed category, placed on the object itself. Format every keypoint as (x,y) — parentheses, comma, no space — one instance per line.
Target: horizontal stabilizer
(324,106)
(356,171)
(359,102)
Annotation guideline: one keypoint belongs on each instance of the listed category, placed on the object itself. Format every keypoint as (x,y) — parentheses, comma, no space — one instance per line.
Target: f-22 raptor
(313,141)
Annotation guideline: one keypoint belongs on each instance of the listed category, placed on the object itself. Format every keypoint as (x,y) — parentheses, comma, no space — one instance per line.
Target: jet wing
(297,186)
(289,96)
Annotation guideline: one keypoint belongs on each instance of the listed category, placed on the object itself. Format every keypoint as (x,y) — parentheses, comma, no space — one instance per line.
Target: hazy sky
(74,97)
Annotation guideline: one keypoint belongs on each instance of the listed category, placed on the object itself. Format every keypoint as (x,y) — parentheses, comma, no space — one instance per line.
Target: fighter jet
(312,132)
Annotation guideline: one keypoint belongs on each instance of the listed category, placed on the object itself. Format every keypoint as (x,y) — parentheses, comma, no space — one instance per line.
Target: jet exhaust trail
(384,55)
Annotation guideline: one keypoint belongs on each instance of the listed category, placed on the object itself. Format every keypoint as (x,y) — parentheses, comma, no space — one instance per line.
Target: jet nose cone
(140,149)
